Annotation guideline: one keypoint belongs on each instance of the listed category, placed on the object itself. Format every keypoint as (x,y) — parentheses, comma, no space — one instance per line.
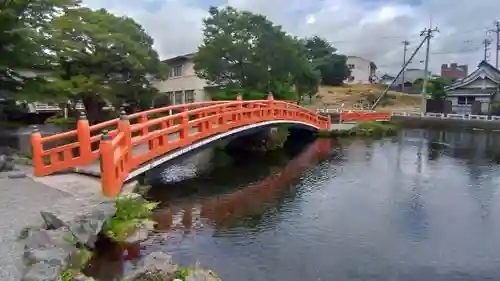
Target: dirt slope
(359,96)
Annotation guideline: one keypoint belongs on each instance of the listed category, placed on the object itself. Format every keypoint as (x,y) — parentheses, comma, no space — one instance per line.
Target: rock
(86,227)
(51,255)
(42,272)
(202,275)
(54,247)
(49,238)
(16,175)
(52,221)
(3,162)
(155,266)
(6,163)
(157,261)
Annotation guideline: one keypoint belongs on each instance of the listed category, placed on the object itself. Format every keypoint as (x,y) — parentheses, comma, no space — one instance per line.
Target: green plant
(61,121)
(364,129)
(132,212)
(183,272)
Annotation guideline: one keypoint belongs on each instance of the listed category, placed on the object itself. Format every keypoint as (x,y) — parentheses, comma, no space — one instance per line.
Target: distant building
(182,85)
(386,79)
(411,75)
(362,71)
(454,71)
(476,93)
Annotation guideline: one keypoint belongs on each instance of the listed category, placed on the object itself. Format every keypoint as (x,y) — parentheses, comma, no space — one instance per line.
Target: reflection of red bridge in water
(251,200)
(248,201)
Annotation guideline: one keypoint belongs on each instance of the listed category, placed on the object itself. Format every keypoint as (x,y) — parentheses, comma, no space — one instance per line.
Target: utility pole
(496,30)
(428,35)
(486,43)
(405,46)
(377,101)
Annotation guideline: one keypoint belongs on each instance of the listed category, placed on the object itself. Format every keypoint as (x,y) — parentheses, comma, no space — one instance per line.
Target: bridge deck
(94,169)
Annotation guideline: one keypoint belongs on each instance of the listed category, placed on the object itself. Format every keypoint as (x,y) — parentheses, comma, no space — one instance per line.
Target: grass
(365,129)
(62,122)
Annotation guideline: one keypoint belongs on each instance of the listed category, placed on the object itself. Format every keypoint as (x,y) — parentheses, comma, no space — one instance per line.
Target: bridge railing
(80,147)
(136,144)
(364,116)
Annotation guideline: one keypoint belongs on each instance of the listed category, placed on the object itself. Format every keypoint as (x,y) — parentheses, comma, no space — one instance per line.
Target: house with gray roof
(478,93)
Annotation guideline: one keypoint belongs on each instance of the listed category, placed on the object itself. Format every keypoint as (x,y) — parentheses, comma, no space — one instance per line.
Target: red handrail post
(184,132)
(109,183)
(37,146)
(270,102)
(239,99)
(83,136)
(143,118)
(124,127)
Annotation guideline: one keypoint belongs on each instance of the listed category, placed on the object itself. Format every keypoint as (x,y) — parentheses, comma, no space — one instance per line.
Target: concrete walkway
(21,201)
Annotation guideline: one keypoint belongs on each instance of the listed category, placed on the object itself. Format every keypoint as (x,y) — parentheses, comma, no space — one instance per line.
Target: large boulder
(86,227)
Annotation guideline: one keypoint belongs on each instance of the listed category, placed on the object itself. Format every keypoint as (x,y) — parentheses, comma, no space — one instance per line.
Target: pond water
(421,206)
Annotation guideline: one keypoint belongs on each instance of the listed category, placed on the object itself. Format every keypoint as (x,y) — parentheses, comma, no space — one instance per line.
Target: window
(176,71)
(178,97)
(164,99)
(350,66)
(466,100)
(189,96)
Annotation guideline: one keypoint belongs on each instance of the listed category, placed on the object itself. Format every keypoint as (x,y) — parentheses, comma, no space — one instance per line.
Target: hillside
(355,96)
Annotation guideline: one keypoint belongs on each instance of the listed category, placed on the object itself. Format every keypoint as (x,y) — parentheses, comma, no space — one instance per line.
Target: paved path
(22,200)
(343,126)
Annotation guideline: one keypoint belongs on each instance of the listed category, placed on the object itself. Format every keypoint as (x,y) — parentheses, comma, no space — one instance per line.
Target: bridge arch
(200,144)
(121,148)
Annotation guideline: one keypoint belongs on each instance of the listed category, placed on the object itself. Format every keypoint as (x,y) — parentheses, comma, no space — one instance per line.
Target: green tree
(333,67)
(25,41)
(435,87)
(246,53)
(103,58)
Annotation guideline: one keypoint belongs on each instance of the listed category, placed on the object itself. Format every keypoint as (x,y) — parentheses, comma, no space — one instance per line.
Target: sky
(372,29)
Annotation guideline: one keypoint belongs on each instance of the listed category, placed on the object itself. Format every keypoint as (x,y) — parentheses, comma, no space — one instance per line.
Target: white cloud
(355,27)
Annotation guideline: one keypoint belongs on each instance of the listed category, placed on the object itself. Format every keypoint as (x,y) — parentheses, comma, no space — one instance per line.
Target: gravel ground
(21,201)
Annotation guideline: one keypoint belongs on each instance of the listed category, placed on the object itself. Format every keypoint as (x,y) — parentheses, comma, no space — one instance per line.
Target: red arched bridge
(121,149)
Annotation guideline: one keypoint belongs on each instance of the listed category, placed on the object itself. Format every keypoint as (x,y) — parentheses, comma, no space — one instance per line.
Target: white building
(361,70)
(182,85)
(476,93)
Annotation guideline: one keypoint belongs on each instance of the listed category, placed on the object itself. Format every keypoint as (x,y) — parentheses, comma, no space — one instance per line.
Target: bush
(364,129)
(132,213)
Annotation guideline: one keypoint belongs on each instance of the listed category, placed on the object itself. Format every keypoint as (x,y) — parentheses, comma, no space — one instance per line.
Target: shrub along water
(365,129)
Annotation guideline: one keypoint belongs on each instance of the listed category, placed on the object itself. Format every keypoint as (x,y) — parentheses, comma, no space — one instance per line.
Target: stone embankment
(60,249)
(50,226)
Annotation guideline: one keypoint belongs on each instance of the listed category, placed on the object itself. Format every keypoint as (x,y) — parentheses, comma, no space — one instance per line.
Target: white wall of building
(360,70)
(182,82)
